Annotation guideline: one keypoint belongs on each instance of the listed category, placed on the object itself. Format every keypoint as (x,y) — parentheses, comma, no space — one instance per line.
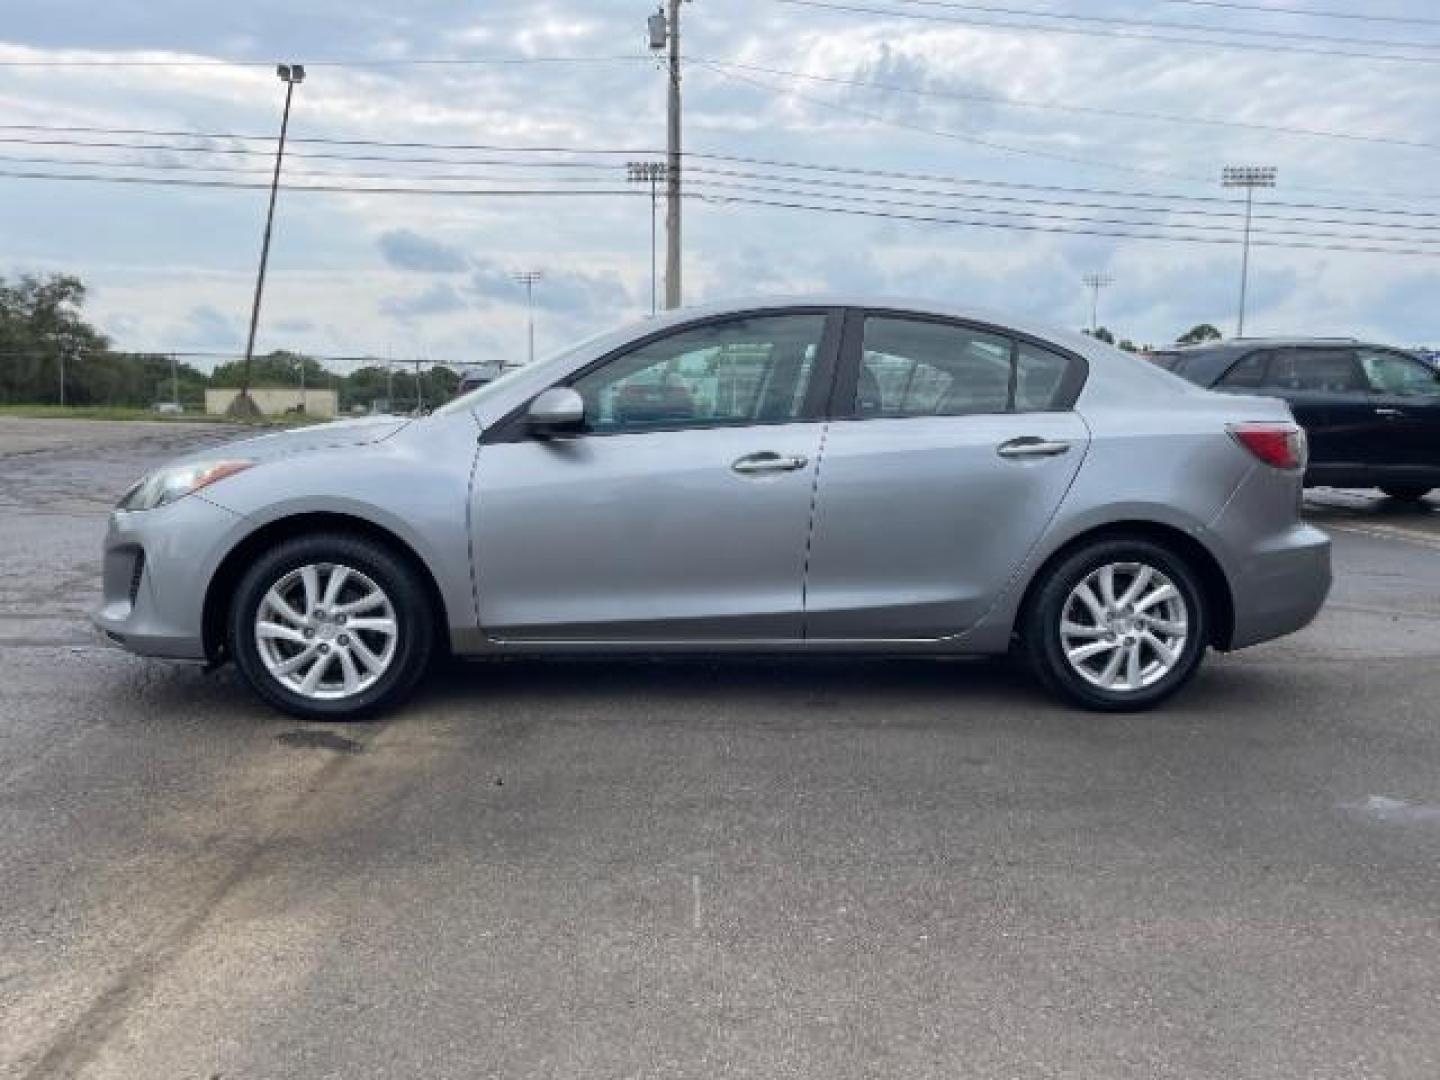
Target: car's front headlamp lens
(176,481)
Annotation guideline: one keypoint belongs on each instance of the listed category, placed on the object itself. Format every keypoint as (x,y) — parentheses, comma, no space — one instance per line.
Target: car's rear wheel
(1119,625)
(1406,492)
(331,627)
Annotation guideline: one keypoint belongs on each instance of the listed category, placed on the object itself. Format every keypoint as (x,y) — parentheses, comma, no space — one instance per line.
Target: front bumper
(157,565)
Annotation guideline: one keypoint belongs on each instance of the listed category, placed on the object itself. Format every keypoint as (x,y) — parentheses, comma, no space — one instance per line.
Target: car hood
(282,444)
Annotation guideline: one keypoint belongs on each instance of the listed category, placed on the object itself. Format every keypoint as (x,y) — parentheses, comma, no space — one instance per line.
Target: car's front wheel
(1118,625)
(1406,492)
(331,626)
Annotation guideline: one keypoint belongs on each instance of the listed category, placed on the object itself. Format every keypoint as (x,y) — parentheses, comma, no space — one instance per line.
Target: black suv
(1372,412)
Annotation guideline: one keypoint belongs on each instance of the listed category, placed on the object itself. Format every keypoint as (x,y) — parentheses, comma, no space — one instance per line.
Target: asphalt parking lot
(695,869)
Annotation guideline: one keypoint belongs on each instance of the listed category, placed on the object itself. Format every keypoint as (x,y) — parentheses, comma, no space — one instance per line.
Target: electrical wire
(1209,43)
(1366,244)
(1309,13)
(1034,13)
(1090,110)
(267,152)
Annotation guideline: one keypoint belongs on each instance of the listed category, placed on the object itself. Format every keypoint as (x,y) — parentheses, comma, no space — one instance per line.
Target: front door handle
(768,462)
(1029,446)
(1390,414)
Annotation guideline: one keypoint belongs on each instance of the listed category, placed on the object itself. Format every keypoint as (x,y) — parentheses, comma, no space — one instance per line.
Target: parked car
(1371,412)
(827,476)
(476,376)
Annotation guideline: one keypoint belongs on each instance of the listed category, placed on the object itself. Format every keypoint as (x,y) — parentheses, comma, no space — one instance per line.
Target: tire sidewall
(1047,651)
(391,574)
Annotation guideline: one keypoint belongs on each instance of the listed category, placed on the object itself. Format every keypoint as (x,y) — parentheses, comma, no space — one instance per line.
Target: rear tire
(331,626)
(1406,492)
(1119,625)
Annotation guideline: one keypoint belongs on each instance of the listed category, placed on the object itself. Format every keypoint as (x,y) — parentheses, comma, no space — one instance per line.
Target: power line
(929,219)
(732,174)
(1209,43)
(1367,244)
(1034,13)
(1092,110)
(423,61)
(1311,13)
(991,144)
(694,155)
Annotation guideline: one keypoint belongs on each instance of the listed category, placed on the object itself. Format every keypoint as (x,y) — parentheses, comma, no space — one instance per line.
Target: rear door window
(1329,371)
(919,367)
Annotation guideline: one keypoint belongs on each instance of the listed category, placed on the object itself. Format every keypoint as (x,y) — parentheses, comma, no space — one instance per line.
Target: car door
(680,509)
(1328,394)
(1405,397)
(951,449)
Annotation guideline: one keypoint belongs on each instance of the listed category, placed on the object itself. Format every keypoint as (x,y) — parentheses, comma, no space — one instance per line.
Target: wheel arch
(220,591)
(1219,601)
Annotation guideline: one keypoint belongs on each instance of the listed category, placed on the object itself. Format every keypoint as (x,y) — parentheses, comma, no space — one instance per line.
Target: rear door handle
(768,462)
(1390,414)
(1029,446)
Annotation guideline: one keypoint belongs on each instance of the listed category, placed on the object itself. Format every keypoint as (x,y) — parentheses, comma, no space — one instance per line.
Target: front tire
(1118,626)
(331,626)
(1406,492)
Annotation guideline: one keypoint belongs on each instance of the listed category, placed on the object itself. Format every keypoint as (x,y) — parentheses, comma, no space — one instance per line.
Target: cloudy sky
(1058,129)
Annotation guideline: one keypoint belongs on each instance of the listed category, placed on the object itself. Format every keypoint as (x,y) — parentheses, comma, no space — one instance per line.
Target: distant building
(276,401)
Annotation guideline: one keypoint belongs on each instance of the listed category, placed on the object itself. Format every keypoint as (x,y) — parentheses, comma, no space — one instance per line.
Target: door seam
(810,534)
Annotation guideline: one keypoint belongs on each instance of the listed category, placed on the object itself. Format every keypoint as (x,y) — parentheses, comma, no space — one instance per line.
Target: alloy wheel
(1124,626)
(326,631)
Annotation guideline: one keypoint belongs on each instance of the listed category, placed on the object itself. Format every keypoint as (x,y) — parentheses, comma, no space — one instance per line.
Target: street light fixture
(292,75)
(1248,177)
(528,278)
(652,173)
(1096,282)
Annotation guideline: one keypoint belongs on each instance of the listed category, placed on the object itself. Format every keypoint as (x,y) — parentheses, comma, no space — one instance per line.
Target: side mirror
(557,409)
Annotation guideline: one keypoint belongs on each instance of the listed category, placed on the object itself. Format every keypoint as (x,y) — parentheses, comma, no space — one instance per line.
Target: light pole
(1248,177)
(1096,282)
(174,382)
(648,172)
(291,75)
(528,278)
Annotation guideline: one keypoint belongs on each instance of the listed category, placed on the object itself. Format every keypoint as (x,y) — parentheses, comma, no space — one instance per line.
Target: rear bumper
(157,564)
(1282,587)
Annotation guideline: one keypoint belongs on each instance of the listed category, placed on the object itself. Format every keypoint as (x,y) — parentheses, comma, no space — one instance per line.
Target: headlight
(176,481)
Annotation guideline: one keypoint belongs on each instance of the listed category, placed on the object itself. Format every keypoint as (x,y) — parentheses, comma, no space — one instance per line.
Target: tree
(1101,334)
(43,336)
(1198,334)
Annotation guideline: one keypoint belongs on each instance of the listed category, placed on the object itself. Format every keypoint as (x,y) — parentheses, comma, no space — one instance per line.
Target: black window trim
(852,350)
(1268,352)
(513,428)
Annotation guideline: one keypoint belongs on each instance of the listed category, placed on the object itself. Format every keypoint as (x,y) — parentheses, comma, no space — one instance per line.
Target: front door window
(736,373)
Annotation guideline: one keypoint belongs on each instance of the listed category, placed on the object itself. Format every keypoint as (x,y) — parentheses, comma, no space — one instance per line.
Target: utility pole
(291,75)
(528,278)
(61,355)
(174,382)
(648,172)
(1248,177)
(302,384)
(665,32)
(419,391)
(1096,282)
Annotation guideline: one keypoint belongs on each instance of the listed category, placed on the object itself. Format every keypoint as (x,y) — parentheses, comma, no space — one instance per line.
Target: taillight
(1279,445)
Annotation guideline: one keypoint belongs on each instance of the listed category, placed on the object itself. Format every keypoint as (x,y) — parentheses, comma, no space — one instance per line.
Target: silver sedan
(824,476)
